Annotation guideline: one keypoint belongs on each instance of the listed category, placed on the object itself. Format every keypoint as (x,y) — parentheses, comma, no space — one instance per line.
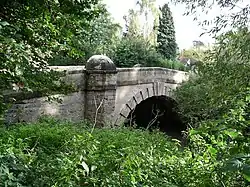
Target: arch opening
(157,112)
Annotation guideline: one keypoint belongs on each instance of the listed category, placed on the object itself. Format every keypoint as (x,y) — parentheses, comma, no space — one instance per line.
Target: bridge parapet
(142,75)
(103,92)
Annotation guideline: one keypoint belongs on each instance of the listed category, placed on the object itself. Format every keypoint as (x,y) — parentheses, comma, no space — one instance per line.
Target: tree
(224,77)
(237,13)
(138,23)
(99,37)
(236,19)
(132,24)
(32,33)
(220,82)
(166,34)
(193,54)
(148,8)
(103,34)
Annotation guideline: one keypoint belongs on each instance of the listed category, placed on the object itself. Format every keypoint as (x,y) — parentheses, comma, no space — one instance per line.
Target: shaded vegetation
(216,101)
(51,153)
(33,33)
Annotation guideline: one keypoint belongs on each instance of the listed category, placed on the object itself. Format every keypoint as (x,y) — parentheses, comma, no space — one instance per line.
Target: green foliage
(132,24)
(197,55)
(221,79)
(130,51)
(66,155)
(228,139)
(33,33)
(52,153)
(237,13)
(171,64)
(135,28)
(166,34)
(103,35)
(52,26)
(99,37)
(23,67)
(216,102)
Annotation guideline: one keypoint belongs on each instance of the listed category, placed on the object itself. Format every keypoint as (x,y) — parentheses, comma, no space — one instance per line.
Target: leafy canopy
(35,31)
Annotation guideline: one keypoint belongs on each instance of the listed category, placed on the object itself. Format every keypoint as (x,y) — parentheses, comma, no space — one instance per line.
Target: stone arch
(157,89)
(138,107)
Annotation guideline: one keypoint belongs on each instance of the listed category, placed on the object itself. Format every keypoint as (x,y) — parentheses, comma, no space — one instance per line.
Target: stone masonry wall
(70,107)
(116,91)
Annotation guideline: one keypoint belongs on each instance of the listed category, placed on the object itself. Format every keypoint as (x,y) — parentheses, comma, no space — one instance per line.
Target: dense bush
(50,153)
(134,50)
(99,36)
(173,64)
(216,101)
(221,81)
(194,54)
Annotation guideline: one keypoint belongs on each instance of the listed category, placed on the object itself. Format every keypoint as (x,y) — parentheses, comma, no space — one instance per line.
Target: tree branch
(96,113)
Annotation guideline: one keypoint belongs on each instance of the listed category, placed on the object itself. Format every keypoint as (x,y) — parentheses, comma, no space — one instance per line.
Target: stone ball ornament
(100,62)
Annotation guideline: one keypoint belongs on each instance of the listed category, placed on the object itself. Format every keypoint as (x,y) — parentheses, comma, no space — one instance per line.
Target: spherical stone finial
(100,62)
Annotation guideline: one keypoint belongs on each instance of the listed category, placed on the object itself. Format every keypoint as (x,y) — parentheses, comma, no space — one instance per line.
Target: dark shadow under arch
(157,112)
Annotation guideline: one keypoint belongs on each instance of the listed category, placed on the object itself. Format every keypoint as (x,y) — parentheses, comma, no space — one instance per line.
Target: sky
(187,30)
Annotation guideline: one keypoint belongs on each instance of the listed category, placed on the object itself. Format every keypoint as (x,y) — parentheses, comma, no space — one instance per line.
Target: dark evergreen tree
(166,34)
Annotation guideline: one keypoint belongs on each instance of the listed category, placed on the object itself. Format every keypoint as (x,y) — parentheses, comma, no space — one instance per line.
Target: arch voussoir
(158,88)
(150,92)
(161,87)
(131,104)
(138,97)
(125,111)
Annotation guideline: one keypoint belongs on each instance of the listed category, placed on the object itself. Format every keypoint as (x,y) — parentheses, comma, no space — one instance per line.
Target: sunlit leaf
(85,167)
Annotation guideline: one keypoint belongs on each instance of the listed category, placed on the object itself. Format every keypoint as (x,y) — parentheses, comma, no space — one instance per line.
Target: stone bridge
(104,93)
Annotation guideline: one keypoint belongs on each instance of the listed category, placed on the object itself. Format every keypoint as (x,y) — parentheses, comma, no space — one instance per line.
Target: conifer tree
(166,34)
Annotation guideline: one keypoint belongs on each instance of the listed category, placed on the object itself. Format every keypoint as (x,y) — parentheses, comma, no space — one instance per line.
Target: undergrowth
(53,153)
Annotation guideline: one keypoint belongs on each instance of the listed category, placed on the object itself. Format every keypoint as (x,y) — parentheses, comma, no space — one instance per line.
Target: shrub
(216,103)
(52,153)
(215,89)
(131,51)
(171,64)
